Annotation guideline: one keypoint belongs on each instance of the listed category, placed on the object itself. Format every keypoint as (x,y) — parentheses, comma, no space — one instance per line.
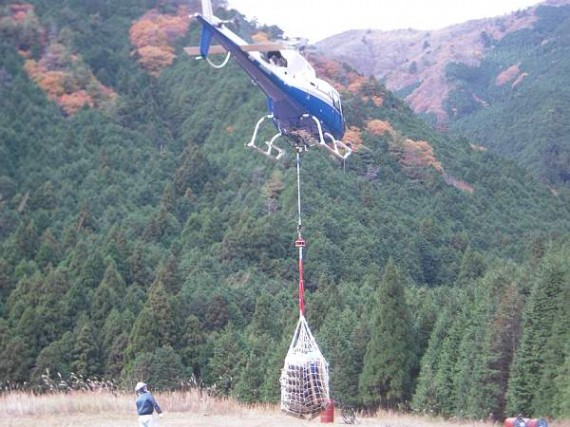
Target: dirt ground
(171,420)
(191,409)
(249,419)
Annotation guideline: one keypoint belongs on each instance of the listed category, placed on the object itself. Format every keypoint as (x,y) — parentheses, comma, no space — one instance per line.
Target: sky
(318,19)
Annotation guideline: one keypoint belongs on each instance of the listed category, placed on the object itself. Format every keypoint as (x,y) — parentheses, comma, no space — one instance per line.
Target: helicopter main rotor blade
(257,47)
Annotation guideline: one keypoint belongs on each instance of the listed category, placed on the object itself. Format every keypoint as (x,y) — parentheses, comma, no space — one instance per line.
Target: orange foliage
(377,100)
(24,25)
(52,83)
(55,75)
(379,127)
(147,33)
(19,11)
(416,156)
(330,69)
(73,102)
(353,137)
(419,154)
(260,37)
(31,67)
(508,75)
(154,59)
(356,82)
(153,35)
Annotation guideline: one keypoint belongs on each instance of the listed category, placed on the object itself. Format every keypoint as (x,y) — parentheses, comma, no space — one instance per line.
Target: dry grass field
(79,409)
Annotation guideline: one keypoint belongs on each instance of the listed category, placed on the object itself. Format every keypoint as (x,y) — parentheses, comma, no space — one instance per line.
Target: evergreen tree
(472,266)
(49,252)
(114,338)
(543,306)
(271,387)
(426,397)
(56,358)
(563,385)
(154,326)
(85,350)
(340,347)
(504,331)
(27,239)
(107,296)
(389,360)
(193,346)
(226,362)
(139,271)
(547,400)
(92,268)
(251,376)
(469,383)
(162,368)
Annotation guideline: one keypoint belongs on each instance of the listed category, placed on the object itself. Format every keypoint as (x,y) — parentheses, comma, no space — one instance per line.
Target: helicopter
(303,108)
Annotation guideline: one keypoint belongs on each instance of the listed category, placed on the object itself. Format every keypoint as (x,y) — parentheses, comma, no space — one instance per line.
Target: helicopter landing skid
(303,139)
(335,146)
(272,150)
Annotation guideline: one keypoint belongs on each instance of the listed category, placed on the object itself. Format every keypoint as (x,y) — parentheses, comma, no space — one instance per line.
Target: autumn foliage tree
(153,36)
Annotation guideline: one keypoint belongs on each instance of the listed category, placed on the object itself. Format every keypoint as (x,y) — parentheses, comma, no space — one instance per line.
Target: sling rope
(305,376)
(300,242)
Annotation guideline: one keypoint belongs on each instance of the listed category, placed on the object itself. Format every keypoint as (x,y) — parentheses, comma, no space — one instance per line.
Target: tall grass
(106,408)
(19,403)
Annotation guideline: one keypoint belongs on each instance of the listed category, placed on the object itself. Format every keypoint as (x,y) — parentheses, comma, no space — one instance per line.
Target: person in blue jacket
(146,405)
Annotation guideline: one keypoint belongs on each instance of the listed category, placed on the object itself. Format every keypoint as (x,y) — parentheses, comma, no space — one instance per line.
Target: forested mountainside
(140,239)
(501,82)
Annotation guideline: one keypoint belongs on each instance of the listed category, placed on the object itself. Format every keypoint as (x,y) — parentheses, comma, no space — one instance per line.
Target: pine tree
(249,383)
(114,339)
(505,331)
(563,385)
(108,295)
(27,239)
(226,363)
(193,346)
(340,348)
(139,271)
(85,350)
(389,360)
(91,267)
(426,397)
(468,381)
(540,312)
(154,326)
(472,266)
(55,358)
(119,250)
(162,368)
(547,401)
(49,252)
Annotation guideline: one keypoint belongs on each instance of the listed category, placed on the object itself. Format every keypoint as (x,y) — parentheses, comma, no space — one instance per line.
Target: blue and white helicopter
(303,107)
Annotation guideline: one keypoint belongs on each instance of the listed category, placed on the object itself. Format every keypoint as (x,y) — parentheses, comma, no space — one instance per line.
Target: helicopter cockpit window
(336,101)
(297,64)
(276,58)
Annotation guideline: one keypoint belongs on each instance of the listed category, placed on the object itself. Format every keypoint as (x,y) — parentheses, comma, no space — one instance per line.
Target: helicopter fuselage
(293,91)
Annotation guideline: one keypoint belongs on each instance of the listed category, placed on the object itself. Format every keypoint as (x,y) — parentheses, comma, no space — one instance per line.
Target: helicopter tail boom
(205,41)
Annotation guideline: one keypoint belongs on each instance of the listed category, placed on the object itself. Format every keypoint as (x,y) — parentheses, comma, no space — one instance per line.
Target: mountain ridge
(479,79)
(416,59)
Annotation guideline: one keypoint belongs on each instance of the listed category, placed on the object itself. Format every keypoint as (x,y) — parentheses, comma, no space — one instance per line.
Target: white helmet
(140,387)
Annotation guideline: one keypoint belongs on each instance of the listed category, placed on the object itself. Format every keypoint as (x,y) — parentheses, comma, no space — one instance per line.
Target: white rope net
(305,375)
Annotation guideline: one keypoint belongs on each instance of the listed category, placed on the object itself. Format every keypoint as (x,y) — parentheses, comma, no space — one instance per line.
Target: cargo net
(305,375)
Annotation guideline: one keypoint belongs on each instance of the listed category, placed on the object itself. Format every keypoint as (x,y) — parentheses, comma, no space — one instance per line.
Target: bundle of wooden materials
(305,377)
